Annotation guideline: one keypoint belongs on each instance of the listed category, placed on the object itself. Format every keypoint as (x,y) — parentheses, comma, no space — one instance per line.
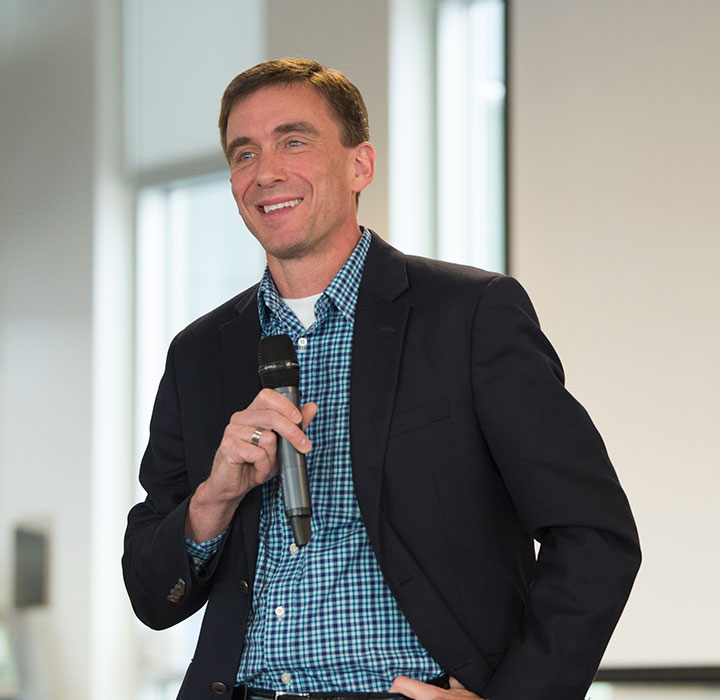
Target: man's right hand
(239,465)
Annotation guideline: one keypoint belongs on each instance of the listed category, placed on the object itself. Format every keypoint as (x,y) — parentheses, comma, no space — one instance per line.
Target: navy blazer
(466,447)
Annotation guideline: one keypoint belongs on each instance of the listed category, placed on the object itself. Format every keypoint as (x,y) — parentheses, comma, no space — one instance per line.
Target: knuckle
(237,417)
(266,397)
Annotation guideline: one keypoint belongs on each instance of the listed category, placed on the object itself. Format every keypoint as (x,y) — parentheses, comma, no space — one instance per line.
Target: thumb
(414,689)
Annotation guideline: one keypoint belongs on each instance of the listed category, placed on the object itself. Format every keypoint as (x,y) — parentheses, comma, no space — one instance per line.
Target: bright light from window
(470,133)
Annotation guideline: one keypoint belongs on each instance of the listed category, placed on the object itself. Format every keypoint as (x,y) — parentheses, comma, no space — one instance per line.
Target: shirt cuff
(200,552)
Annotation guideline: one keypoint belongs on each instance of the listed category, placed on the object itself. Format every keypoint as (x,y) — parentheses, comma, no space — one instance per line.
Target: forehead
(268,108)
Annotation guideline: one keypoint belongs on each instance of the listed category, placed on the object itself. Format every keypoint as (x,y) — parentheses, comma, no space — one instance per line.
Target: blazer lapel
(239,340)
(380,322)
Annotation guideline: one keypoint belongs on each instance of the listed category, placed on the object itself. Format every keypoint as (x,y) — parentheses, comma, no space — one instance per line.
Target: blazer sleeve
(558,474)
(161,580)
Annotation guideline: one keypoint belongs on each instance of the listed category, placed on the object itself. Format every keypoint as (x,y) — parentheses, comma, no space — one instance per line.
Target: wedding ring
(255,439)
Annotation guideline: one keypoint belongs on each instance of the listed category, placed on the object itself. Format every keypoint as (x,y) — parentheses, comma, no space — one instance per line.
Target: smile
(281,205)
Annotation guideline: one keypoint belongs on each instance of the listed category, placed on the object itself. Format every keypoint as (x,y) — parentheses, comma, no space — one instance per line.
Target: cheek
(238,187)
(333,178)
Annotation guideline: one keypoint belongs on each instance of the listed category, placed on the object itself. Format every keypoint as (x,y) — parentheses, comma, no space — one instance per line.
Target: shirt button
(302,342)
(294,549)
(286,678)
(280,611)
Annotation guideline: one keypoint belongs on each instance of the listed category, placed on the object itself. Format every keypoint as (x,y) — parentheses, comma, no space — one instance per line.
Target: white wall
(615,231)
(46,224)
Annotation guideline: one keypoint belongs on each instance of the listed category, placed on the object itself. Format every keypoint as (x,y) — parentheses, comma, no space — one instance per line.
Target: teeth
(282,205)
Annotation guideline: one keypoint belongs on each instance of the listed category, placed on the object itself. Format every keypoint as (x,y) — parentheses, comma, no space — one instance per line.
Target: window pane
(471,157)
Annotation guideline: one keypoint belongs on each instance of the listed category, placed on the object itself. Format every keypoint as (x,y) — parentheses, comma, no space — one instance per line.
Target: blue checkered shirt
(323,618)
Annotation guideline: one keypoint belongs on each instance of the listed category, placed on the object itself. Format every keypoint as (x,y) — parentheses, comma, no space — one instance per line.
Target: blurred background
(571,143)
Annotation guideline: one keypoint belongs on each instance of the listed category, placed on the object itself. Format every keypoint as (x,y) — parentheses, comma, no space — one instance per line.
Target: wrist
(208,515)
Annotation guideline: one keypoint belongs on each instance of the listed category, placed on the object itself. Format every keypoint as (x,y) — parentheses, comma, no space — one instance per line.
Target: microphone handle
(293,473)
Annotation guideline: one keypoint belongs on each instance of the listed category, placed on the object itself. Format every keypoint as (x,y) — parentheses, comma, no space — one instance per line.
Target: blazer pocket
(420,416)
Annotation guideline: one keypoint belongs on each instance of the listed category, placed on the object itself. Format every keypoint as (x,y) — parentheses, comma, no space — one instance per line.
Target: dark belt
(261,694)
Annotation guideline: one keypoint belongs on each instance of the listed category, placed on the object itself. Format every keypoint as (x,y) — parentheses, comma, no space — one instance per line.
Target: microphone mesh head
(278,363)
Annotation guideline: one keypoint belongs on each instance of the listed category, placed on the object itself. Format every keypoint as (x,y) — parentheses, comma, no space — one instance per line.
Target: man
(440,443)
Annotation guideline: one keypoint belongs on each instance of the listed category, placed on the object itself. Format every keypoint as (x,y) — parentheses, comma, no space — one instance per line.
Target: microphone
(279,370)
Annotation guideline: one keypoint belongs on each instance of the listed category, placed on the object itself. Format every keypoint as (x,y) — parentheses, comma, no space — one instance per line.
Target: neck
(303,276)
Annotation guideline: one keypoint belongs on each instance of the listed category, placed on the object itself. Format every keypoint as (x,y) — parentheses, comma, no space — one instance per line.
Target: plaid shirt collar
(342,292)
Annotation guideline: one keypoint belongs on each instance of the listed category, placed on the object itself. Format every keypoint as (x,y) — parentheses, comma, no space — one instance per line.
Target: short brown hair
(344,99)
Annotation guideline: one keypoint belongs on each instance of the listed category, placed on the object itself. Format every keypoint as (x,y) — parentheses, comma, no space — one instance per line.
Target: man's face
(292,179)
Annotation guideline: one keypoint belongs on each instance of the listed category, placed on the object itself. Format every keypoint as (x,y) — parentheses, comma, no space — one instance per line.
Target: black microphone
(279,370)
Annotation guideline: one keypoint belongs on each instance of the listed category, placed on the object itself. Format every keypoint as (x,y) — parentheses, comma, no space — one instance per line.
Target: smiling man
(440,444)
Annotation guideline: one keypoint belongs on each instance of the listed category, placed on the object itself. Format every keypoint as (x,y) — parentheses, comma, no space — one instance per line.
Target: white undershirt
(304,309)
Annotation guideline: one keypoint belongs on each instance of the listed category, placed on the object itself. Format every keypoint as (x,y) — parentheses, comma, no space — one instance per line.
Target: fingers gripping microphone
(279,370)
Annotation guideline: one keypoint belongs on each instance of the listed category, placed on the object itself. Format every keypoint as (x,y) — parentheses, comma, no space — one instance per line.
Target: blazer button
(244,586)
(177,591)
(219,688)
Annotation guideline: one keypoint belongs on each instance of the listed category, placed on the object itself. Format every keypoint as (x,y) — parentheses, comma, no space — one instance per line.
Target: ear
(363,166)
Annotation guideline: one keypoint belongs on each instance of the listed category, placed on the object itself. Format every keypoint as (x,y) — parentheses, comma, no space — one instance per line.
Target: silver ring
(255,439)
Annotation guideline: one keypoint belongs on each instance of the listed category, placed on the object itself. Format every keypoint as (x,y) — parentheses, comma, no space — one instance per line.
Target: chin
(286,250)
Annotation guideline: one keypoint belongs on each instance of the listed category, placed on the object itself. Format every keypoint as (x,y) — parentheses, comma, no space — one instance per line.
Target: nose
(269,169)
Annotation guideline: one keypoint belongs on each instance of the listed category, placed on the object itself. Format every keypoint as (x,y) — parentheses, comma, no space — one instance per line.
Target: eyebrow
(287,128)
(300,127)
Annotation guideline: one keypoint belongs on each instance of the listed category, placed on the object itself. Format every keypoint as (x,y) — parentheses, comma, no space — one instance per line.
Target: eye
(294,143)
(242,157)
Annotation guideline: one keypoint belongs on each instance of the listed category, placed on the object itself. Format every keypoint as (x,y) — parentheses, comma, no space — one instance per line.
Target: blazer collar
(241,383)
(379,334)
